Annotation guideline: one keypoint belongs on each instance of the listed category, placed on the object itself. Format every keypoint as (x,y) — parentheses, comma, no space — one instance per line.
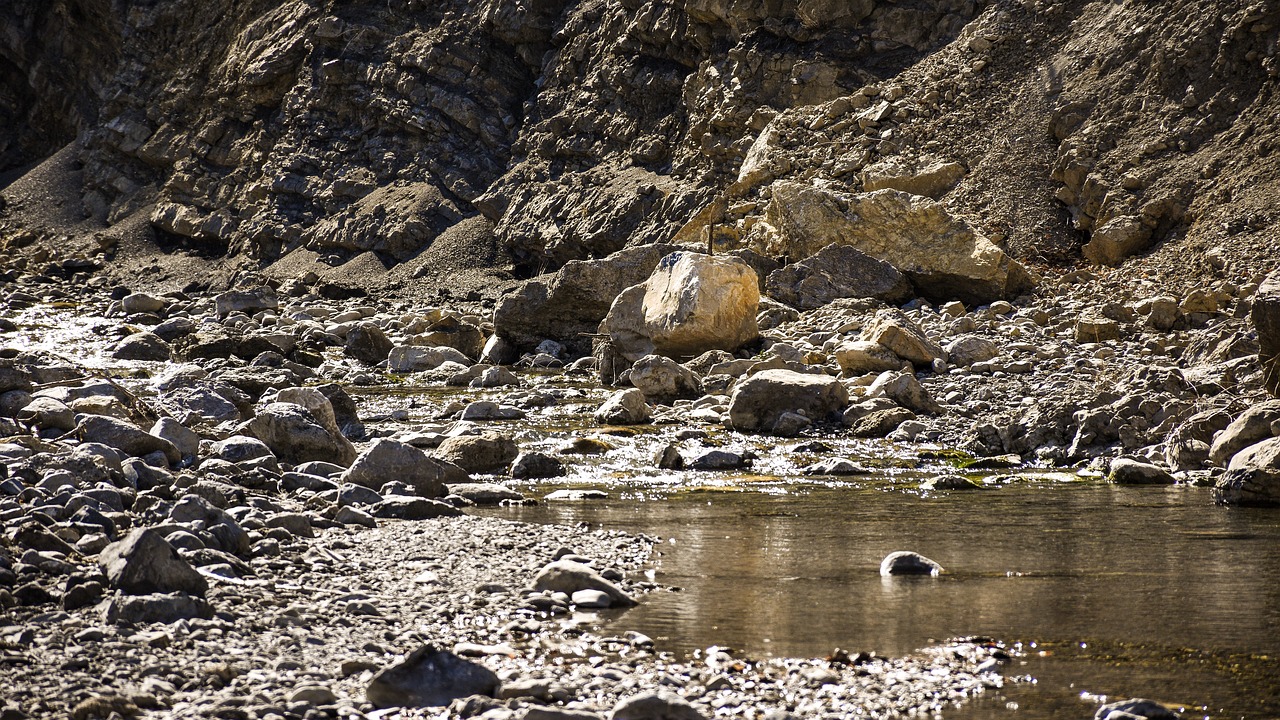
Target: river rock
(240,448)
(429,677)
(863,356)
(624,407)
(155,608)
(186,440)
(944,257)
(143,303)
(1116,240)
(1187,447)
(1265,315)
(759,402)
(662,379)
(47,413)
(902,336)
(389,459)
(295,435)
(367,343)
(1096,329)
(402,507)
(567,576)
(1127,471)
(485,493)
(949,482)
(123,436)
(532,464)
(969,349)
(837,271)
(142,346)
(904,389)
(905,562)
(249,301)
(1135,709)
(1253,425)
(404,359)
(143,562)
(1253,477)
(484,452)
(658,705)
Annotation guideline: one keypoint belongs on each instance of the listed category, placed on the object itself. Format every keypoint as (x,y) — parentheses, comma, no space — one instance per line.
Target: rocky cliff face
(577,127)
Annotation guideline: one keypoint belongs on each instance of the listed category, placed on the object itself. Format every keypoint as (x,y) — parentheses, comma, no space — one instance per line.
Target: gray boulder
(894,330)
(485,493)
(625,407)
(142,346)
(246,301)
(429,677)
(240,448)
(143,563)
(367,343)
(123,436)
(969,349)
(569,577)
(419,358)
(1127,471)
(389,459)
(1187,447)
(759,402)
(296,436)
(862,356)
(533,464)
(904,389)
(1253,477)
(155,608)
(182,437)
(46,412)
(837,271)
(905,562)
(484,452)
(659,705)
(1253,425)
(662,379)
(1265,314)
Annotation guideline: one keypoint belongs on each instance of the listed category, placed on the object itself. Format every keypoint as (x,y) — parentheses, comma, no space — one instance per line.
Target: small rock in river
(1134,708)
(904,562)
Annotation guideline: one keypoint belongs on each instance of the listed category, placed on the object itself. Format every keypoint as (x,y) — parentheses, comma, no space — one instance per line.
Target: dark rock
(1127,471)
(1135,709)
(1253,477)
(142,346)
(123,436)
(401,507)
(533,464)
(429,677)
(837,271)
(387,459)
(904,562)
(878,423)
(659,705)
(143,562)
(1265,314)
(367,343)
(155,608)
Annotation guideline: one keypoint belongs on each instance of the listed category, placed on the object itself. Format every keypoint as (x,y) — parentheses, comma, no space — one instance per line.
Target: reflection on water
(1125,591)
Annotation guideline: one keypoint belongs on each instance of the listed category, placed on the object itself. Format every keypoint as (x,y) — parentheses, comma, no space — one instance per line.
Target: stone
(295,436)
(367,343)
(691,303)
(484,452)
(1265,315)
(624,407)
(905,390)
(905,562)
(1117,239)
(1252,477)
(718,460)
(1162,312)
(859,357)
(575,299)
(143,303)
(928,177)
(1187,447)
(1096,329)
(656,705)
(143,562)
(313,695)
(239,448)
(567,576)
(1135,709)
(485,493)
(903,337)
(532,464)
(837,271)
(591,599)
(249,302)
(662,379)
(949,482)
(969,349)
(123,436)
(184,439)
(429,677)
(489,410)
(155,608)
(142,346)
(402,507)
(1128,471)
(759,401)
(1252,426)
(404,359)
(47,413)
(944,257)
(389,459)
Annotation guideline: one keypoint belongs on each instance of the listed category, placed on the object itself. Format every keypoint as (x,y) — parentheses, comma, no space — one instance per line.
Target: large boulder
(1266,319)
(429,677)
(484,452)
(969,349)
(570,304)
(758,403)
(123,436)
(387,460)
(367,343)
(1253,477)
(662,379)
(656,705)
(944,256)
(295,435)
(929,177)
(1117,239)
(900,334)
(837,271)
(625,407)
(143,563)
(249,301)
(1252,426)
(691,304)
